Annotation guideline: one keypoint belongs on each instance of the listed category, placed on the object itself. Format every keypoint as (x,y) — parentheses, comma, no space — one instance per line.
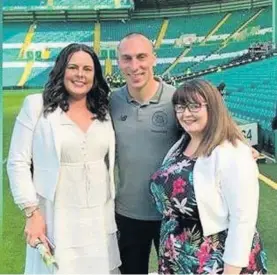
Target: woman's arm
(19,173)
(20,155)
(240,190)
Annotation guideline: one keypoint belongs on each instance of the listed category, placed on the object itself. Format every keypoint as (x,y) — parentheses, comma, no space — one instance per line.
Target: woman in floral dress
(208,199)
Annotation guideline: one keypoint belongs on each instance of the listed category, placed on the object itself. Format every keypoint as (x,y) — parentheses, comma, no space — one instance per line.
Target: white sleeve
(20,155)
(240,187)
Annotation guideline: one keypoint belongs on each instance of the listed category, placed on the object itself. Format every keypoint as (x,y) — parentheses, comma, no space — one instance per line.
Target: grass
(12,251)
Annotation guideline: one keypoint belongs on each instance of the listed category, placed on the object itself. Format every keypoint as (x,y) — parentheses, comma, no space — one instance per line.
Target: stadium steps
(264,20)
(225,42)
(216,28)
(97,38)
(108,67)
(175,62)
(27,41)
(26,73)
(161,34)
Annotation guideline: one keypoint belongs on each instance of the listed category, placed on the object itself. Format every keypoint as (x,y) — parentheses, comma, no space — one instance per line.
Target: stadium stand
(115,30)
(14,32)
(10,55)
(186,25)
(250,97)
(16,74)
(64,32)
(21,3)
(183,48)
(104,35)
(13,5)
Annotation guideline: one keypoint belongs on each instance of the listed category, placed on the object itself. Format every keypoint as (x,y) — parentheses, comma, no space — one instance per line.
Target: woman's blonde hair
(220,126)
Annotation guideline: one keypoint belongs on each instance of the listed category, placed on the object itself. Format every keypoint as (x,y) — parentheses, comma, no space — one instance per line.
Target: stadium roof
(157,4)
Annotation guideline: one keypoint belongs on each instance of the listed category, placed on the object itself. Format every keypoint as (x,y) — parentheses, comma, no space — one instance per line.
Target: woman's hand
(35,230)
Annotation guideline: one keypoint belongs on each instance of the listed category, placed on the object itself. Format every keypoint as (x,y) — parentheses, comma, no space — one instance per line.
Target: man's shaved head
(135,34)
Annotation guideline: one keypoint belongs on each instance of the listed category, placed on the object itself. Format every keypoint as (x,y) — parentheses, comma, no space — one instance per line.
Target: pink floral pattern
(183,247)
(204,254)
(178,187)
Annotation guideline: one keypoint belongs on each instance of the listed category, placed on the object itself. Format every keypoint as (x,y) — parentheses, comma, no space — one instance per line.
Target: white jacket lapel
(54,119)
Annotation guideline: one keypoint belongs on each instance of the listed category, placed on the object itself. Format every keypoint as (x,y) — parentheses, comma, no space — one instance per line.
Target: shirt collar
(156,97)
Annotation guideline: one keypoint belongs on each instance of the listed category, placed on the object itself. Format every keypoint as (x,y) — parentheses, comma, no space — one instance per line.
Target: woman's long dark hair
(55,94)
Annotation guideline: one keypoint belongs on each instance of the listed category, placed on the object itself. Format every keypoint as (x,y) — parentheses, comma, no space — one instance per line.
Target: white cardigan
(227,194)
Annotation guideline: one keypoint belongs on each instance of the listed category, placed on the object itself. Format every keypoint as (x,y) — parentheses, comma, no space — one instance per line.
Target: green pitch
(12,251)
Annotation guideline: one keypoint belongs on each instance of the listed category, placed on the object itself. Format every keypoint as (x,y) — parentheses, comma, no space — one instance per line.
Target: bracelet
(31,213)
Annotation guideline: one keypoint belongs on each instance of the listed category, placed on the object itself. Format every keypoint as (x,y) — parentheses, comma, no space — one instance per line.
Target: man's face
(136,60)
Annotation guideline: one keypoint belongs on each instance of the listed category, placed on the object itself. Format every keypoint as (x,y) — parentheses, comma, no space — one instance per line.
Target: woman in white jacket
(67,136)
(207,190)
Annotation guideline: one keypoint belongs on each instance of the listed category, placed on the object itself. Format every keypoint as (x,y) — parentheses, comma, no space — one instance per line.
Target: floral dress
(183,248)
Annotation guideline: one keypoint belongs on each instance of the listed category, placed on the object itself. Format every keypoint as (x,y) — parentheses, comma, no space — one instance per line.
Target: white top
(83,189)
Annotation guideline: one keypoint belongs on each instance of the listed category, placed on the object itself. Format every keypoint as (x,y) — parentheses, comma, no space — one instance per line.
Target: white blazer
(39,138)
(227,194)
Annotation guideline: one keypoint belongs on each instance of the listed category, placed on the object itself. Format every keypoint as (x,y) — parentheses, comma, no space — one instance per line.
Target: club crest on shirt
(159,119)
